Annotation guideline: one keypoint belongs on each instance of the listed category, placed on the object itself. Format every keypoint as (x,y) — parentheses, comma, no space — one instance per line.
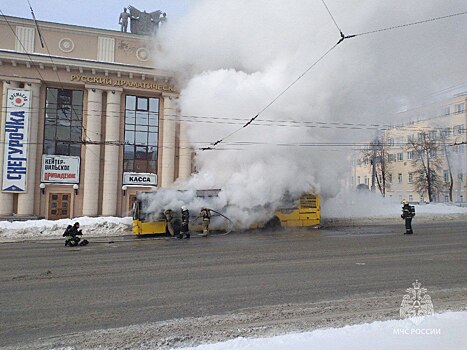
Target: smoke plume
(234,57)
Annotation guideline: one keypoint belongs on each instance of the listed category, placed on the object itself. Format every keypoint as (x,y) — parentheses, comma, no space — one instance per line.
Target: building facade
(446,125)
(87,121)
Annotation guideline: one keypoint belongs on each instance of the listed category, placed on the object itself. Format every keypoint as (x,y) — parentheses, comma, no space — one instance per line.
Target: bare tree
(427,163)
(378,157)
(447,154)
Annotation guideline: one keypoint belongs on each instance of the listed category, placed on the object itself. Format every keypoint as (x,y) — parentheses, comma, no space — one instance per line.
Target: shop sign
(144,179)
(60,169)
(15,158)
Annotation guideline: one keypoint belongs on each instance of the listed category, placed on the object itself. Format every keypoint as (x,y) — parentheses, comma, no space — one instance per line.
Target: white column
(184,165)
(26,200)
(6,199)
(112,134)
(92,153)
(168,142)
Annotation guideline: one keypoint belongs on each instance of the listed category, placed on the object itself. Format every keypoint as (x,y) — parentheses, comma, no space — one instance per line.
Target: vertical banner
(15,159)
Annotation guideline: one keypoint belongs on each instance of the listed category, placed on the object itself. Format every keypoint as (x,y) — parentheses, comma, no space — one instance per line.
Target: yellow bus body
(149,228)
(307,214)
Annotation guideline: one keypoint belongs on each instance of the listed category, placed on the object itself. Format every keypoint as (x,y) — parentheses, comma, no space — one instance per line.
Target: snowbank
(441,331)
(47,229)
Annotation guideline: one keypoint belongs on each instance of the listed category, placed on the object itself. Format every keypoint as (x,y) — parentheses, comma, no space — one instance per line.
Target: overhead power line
(411,24)
(342,38)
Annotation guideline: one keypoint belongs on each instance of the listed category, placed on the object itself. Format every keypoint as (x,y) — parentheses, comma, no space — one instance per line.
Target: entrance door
(59,206)
(132,200)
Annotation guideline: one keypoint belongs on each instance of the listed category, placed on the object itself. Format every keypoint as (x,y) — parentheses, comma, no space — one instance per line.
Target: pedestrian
(185,229)
(71,236)
(408,212)
(206,216)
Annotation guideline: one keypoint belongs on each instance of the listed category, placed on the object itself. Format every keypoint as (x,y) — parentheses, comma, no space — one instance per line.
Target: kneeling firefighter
(71,236)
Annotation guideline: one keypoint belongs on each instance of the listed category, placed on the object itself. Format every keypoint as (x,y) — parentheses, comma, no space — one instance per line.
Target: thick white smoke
(235,56)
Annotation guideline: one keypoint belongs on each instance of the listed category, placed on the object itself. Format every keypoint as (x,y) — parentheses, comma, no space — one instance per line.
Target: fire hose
(230,229)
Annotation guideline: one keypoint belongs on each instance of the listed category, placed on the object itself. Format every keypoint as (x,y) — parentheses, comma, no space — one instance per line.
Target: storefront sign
(60,169)
(139,179)
(123,83)
(15,159)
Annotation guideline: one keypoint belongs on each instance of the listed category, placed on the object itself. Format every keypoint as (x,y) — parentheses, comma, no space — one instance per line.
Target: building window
(391,157)
(400,156)
(367,182)
(63,122)
(410,198)
(460,177)
(358,180)
(390,178)
(447,111)
(447,132)
(446,198)
(458,129)
(141,134)
(410,155)
(399,178)
(410,178)
(390,141)
(446,176)
(459,108)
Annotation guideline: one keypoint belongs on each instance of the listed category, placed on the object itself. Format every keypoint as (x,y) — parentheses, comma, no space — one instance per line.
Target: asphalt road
(47,290)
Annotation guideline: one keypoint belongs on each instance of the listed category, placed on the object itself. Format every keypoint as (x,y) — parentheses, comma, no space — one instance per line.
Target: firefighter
(206,216)
(173,223)
(408,212)
(71,236)
(185,229)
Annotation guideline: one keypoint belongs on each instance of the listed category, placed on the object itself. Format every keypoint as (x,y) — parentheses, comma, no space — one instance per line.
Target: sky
(84,12)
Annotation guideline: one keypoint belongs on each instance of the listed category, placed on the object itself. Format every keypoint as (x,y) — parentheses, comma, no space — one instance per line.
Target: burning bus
(149,219)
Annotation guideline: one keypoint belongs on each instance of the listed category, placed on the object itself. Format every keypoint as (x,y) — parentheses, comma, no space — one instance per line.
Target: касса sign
(140,179)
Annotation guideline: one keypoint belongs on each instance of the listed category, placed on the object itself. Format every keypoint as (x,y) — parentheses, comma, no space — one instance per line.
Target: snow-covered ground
(440,331)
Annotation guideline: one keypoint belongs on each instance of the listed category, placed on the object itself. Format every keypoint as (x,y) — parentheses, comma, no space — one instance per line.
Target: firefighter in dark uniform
(71,236)
(173,223)
(185,229)
(408,212)
(206,217)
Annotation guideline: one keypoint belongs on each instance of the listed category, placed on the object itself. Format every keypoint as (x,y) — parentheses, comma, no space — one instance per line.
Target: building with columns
(86,121)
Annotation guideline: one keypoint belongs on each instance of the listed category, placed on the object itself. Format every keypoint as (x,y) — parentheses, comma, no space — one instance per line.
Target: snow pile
(441,331)
(40,229)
